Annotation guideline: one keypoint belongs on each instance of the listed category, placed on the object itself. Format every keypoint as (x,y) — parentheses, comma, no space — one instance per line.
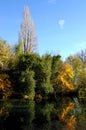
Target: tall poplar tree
(28,33)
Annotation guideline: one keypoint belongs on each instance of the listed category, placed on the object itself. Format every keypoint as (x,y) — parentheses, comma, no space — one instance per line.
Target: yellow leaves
(64,78)
(66,70)
(70,86)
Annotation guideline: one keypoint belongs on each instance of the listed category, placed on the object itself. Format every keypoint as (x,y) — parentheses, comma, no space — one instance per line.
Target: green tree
(24,73)
(46,70)
(43,75)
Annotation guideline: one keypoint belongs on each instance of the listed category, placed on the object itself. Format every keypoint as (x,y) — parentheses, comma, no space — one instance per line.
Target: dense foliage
(32,76)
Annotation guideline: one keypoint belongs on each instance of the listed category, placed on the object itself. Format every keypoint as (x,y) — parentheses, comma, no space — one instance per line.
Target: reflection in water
(20,116)
(5,108)
(58,115)
(70,120)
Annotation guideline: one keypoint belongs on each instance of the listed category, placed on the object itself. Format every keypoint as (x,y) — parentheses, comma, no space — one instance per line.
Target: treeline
(26,74)
(32,76)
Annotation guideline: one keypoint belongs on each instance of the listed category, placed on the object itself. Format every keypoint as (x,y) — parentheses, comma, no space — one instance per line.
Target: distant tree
(82,55)
(28,33)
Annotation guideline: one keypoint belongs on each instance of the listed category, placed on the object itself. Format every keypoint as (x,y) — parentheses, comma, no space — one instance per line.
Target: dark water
(63,114)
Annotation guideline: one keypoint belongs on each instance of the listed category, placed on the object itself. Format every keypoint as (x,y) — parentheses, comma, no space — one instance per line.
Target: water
(63,114)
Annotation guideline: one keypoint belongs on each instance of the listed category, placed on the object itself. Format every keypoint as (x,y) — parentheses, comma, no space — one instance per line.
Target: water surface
(63,114)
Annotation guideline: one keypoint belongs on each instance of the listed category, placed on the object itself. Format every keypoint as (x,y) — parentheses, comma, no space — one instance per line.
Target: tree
(23,77)
(43,75)
(28,33)
(5,54)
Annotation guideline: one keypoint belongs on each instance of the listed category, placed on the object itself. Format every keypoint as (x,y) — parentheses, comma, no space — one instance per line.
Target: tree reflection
(43,117)
(5,108)
(21,117)
(28,115)
(67,116)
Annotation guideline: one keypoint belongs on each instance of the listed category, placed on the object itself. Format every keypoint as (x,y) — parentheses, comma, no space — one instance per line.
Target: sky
(60,24)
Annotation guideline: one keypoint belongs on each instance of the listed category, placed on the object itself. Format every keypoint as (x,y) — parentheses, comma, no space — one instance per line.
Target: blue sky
(60,24)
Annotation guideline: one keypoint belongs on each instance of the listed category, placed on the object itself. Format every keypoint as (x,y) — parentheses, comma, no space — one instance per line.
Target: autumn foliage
(64,77)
